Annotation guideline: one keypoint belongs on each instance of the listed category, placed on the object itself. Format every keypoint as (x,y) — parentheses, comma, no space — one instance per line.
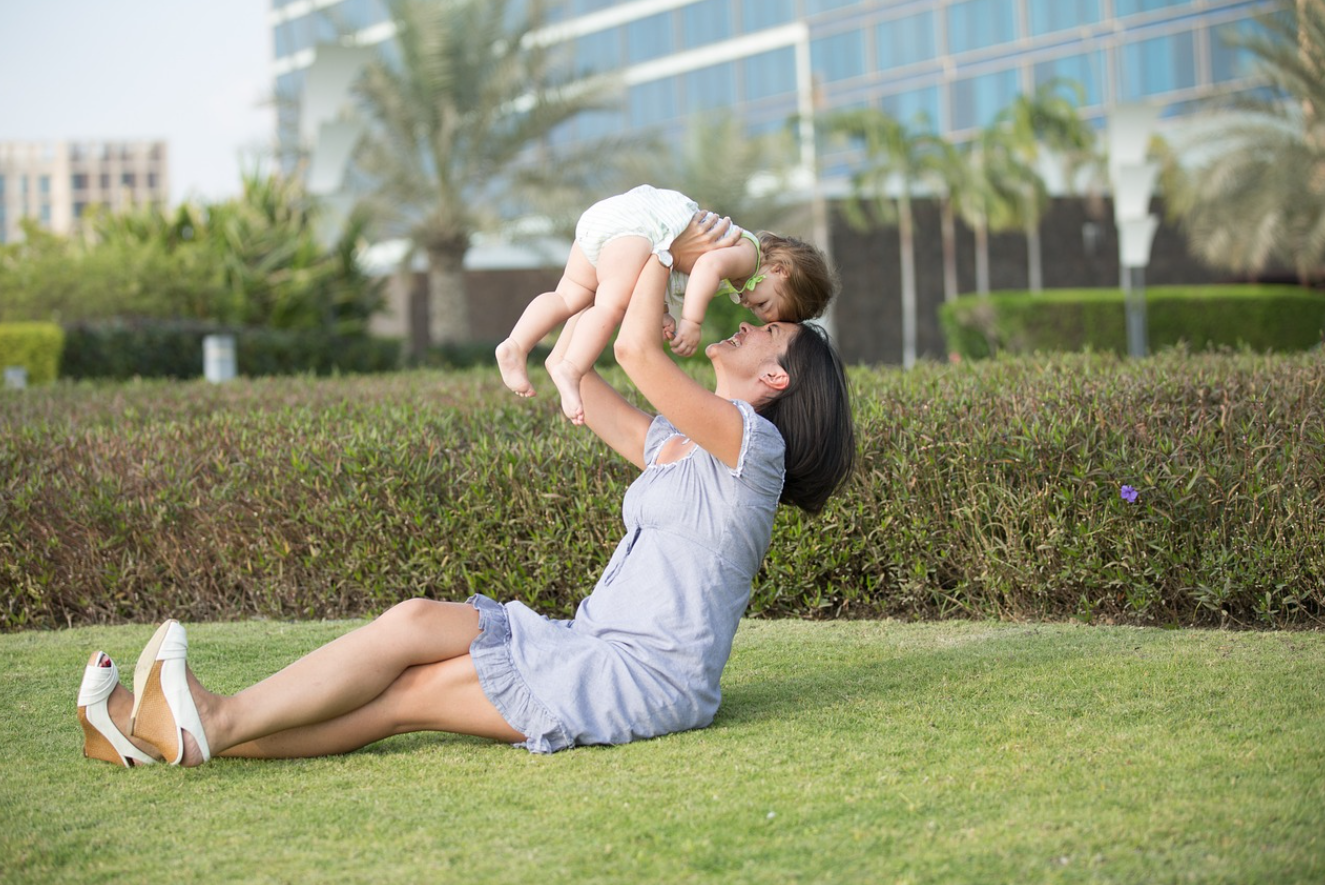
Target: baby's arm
(730,262)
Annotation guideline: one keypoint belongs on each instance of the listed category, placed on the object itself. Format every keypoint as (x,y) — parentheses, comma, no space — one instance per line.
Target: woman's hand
(706,232)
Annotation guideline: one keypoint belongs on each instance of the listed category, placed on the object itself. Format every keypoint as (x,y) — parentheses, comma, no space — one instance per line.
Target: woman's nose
(745,327)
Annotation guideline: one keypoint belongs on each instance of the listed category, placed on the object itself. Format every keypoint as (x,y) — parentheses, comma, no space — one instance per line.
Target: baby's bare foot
(511,361)
(567,378)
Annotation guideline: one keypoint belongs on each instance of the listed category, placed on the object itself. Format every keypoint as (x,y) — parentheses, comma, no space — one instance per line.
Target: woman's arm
(711,422)
(616,422)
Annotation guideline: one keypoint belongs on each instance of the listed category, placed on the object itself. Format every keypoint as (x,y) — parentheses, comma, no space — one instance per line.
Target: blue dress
(643,655)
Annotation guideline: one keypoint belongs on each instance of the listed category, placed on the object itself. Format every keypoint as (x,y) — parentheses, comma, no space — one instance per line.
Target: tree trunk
(1034,265)
(949,228)
(448,304)
(982,258)
(906,236)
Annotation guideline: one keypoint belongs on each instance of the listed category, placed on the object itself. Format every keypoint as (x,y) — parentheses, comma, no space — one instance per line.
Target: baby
(777,278)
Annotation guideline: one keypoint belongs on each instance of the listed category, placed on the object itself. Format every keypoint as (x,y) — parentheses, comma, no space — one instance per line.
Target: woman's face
(752,347)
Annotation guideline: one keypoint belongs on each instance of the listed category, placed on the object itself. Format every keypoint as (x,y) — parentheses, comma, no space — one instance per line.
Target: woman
(645,651)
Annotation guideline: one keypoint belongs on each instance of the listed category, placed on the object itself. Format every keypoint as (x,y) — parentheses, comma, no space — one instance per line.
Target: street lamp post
(1133,181)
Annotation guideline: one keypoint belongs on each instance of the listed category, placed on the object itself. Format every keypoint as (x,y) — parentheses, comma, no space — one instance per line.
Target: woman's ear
(774,375)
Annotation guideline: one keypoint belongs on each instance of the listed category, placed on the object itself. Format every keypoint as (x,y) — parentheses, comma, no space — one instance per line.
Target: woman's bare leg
(445,696)
(338,678)
(574,292)
(619,266)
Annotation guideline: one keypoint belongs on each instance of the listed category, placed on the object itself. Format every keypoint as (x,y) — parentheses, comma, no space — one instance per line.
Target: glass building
(945,65)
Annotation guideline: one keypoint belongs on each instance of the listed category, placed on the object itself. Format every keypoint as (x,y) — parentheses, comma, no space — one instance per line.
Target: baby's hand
(669,327)
(686,340)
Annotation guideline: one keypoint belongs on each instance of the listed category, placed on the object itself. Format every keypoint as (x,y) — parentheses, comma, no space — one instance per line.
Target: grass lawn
(844,752)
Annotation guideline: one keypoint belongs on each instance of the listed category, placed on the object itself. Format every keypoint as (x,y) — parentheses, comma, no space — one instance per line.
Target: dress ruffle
(505,687)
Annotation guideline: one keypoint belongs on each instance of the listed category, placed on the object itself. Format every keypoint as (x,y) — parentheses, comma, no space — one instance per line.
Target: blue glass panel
(814,7)
(653,103)
(580,7)
(597,124)
(1227,61)
(917,108)
(356,15)
(1162,64)
(706,22)
(906,41)
(976,101)
(599,51)
(649,38)
(839,56)
(44,184)
(769,74)
(975,24)
(713,87)
(1056,15)
(1131,7)
(756,15)
(2,185)
(1086,69)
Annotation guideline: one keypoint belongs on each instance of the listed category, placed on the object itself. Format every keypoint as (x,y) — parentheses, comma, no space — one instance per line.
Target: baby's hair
(810,282)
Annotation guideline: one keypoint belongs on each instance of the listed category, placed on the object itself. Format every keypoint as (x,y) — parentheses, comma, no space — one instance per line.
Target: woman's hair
(810,281)
(813,414)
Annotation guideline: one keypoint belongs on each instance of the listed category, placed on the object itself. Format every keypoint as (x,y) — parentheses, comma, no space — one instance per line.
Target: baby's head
(801,281)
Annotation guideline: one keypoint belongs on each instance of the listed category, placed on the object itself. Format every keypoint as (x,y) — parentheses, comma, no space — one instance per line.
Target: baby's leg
(574,292)
(619,266)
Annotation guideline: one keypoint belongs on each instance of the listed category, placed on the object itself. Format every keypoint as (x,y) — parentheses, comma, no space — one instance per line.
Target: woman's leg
(574,292)
(341,677)
(619,266)
(445,696)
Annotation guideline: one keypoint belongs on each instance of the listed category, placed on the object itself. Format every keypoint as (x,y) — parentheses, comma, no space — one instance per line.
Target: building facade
(946,66)
(55,182)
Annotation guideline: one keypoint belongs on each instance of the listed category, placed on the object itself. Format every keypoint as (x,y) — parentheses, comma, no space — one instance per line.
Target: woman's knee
(445,627)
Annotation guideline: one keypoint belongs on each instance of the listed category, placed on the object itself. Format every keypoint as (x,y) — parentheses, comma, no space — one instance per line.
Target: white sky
(196,73)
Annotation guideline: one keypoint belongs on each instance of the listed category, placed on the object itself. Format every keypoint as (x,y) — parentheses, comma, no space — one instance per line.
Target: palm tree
(455,122)
(896,154)
(996,181)
(947,170)
(1261,197)
(1047,118)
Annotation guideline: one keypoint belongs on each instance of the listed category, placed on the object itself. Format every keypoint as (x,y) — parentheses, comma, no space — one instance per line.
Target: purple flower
(1128,494)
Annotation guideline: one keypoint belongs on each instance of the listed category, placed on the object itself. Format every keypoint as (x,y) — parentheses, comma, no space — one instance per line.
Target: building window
(976,101)
(79,209)
(1047,16)
(1086,69)
(814,7)
(917,108)
(44,184)
(1229,61)
(2,187)
(591,125)
(105,181)
(976,24)
(756,15)
(712,87)
(46,214)
(707,21)
(769,74)
(128,179)
(649,38)
(1132,7)
(151,180)
(1162,64)
(653,103)
(838,57)
(905,41)
(79,181)
(599,51)
(356,15)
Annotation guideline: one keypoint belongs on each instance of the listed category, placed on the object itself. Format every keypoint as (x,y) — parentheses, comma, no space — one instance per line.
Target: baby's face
(766,300)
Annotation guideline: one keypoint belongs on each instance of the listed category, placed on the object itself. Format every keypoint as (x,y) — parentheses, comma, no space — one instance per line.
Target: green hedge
(34,346)
(989,489)
(156,349)
(1263,318)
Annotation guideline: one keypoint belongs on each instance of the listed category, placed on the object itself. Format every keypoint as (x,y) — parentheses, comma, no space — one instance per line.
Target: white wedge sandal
(101,738)
(163,706)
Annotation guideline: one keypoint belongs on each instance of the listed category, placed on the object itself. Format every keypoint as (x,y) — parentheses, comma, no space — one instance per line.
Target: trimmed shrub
(990,489)
(121,350)
(1263,318)
(34,346)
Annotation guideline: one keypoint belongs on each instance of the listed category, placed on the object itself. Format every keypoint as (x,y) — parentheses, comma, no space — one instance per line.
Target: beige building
(55,182)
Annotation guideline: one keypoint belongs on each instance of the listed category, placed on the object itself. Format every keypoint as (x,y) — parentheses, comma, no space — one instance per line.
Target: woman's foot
(166,713)
(511,360)
(567,378)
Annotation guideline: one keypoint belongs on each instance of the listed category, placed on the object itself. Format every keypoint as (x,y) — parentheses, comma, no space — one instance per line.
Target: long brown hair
(813,414)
